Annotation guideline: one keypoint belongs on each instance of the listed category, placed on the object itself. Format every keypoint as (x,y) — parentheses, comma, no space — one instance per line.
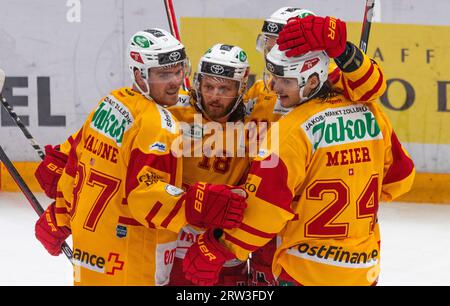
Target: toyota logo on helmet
(272,27)
(175,56)
(217,69)
(270,67)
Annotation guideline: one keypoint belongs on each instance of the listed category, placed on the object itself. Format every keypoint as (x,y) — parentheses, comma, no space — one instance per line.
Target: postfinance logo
(97,263)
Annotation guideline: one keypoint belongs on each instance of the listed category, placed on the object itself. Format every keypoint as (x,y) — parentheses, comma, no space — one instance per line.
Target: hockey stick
(17,120)
(174,30)
(29,195)
(15,174)
(367,22)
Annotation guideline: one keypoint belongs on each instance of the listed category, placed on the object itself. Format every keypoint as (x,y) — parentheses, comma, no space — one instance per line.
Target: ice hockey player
(206,113)
(357,76)
(339,159)
(119,194)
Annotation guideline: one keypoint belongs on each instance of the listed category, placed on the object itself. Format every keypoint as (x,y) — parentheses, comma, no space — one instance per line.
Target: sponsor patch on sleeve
(167,120)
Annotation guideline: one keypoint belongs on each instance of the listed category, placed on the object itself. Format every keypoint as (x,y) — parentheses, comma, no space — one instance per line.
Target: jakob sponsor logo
(342,125)
(112,119)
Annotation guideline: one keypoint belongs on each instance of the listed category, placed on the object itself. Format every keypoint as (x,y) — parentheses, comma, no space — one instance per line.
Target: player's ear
(139,79)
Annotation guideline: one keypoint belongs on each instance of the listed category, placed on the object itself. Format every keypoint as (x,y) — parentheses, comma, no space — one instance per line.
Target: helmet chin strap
(146,93)
(303,98)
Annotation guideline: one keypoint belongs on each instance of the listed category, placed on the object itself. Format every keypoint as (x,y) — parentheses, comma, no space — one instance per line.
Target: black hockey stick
(17,120)
(367,22)
(15,174)
(28,194)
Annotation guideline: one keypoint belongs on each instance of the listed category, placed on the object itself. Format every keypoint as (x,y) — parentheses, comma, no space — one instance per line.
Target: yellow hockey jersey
(119,193)
(318,192)
(212,152)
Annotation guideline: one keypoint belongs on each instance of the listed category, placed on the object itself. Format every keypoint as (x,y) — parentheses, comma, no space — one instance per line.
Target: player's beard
(216,110)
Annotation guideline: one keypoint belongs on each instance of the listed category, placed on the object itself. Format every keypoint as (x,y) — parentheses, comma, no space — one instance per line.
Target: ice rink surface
(415,245)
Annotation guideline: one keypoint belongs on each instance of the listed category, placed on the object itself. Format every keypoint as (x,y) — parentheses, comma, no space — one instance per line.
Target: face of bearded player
(218,96)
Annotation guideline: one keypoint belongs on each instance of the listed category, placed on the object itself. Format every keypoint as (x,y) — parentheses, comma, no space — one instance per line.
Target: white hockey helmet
(275,23)
(300,68)
(154,48)
(224,61)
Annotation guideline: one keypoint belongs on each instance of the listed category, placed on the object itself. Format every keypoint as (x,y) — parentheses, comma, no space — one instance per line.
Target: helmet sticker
(273,68)
(141,41)
(226,47)
(217,69)
(242,56)
(136,56)
(272,27)
(155,32)
(309,64)
(171,57)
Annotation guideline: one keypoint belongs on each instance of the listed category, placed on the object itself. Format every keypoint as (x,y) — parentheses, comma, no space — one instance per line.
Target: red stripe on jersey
(375,89)
(59,194)
(124,201)
(129,221)
(72,160)
(273,187)
(402,165)
(240,243)
(363,79)
(153,213)
(165,163)
(334,76)
(345,93)
(256,232)
(172,214)
(61,210)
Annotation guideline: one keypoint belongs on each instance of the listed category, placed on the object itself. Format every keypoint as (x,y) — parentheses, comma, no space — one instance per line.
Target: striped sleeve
(153,176)
(399,177)
(271,183)
(367,83)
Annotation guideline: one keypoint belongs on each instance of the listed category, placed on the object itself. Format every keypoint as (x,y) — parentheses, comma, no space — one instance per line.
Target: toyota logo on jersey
(174,56)
(217,69)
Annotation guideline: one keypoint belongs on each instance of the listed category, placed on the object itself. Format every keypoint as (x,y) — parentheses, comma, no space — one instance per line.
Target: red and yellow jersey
(119,193)
(317,188)
(364,84)
(212,153)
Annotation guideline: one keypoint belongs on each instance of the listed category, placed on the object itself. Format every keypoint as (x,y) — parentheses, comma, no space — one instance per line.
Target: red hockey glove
(209,205)
(205,258)
(312,33)
(50,169)
(48,233)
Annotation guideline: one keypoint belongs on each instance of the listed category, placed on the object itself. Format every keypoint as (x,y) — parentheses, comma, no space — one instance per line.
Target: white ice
(415,245)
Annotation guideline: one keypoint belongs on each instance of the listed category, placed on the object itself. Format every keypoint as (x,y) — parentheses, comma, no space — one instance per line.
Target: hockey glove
(205,258)
(301,35)
(209,205)
(50,169)
(48,233)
